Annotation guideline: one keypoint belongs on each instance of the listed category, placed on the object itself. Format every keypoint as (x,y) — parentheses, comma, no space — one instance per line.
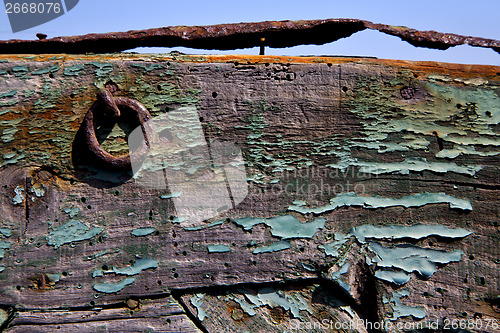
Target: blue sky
(475,18)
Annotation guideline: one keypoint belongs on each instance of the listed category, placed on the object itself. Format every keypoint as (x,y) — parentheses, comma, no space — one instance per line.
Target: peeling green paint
(103,69)
(417,165)
(138,266)
(337,277)
(396,263)
(416,231)
(53,277)
(413,200)
(4,245)
(151,67)
(458,150)
(291,301)
(245,306)
(441,113)
(332,248)
(144,231)
(46,70)
(19,70)
(114,287)
(97,272)
(72,231)
(12,122)
(396,277)
(38,190)
(275,247)
(218,248)
(100,254)
(178,219)
(172,195)
(71,211)
(401,310)
(11,93)
(6,111)
(285,226)
(5,231)
(197,301)
(8,134)
(411,258)
(201,227)
(12,158)
(19,197)
(73,70)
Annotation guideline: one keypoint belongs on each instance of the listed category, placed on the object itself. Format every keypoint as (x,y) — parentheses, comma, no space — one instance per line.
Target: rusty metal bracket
(106,101)
(276,34)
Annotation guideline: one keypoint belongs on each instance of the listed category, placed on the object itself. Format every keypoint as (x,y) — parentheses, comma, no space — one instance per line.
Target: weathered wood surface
(389,142)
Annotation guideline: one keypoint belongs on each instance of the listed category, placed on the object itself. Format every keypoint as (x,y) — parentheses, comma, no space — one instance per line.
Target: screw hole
(214,94)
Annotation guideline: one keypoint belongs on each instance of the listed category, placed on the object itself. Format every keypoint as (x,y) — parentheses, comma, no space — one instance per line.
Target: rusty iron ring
(106,102)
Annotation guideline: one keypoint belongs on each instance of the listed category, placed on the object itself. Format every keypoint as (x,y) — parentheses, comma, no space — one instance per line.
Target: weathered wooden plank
(293,308)
(360,143)
(134,315)
(174,324)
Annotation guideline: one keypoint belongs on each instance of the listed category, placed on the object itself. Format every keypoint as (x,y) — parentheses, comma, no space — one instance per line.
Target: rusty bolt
(237,314)
(407,92)
(132,303)
(277,314)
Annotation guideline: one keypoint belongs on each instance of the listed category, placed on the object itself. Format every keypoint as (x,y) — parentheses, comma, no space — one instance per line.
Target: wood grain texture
(360,143)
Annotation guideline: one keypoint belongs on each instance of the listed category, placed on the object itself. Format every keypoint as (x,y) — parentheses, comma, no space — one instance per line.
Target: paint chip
(72,231)
(114,287)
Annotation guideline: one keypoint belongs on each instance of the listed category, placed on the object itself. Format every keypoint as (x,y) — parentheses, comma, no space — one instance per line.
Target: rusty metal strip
(276,34)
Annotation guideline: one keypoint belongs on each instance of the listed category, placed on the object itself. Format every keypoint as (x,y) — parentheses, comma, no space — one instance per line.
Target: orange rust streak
(460,70)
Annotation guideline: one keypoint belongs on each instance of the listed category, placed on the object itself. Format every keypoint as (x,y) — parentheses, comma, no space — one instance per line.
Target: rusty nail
(132,303)
(262,46)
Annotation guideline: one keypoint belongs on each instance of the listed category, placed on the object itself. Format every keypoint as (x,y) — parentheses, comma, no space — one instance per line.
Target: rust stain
(462,70)
(276,34)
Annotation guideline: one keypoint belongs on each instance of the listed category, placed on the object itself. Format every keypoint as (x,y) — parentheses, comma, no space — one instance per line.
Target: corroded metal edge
(276,34)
